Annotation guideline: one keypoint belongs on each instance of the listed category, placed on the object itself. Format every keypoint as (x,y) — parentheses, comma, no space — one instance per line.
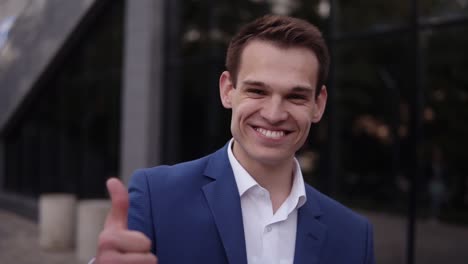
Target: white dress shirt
(269,238)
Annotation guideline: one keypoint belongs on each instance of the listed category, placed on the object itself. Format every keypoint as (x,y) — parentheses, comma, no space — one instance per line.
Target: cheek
(303,117)
(236,117)
(244,110)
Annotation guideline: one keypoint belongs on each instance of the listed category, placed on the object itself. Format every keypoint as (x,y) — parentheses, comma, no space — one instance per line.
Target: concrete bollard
(91,217)
(57,221)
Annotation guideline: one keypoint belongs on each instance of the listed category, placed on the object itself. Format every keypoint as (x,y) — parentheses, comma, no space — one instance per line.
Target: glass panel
(369,78)
(362,15)
(66,138)
(443,8)
(443,205)
(208,22)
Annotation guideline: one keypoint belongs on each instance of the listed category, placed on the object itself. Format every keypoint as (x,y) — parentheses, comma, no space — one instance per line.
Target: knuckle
(146,243)
(106,241)
(143,241)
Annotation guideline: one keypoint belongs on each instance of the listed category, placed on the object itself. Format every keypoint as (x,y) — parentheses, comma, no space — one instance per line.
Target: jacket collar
(224,201)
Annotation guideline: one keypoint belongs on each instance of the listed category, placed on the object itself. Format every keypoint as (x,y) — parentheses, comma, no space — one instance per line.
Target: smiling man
(247,202)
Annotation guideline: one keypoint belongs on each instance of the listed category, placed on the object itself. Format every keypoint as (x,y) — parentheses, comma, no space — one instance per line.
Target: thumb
(117,217)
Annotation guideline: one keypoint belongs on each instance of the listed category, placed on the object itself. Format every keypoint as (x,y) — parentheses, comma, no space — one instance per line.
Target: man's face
(274,103)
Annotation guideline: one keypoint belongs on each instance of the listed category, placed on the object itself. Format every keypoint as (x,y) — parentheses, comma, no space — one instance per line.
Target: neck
(276,178)
(273,177)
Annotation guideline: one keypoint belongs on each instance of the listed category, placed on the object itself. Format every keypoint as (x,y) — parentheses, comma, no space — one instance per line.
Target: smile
(270,133)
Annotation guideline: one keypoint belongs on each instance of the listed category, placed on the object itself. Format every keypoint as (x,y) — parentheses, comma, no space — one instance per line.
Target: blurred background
(91,89)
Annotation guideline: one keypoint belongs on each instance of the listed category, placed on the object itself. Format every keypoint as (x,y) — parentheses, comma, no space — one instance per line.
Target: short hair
(285,32)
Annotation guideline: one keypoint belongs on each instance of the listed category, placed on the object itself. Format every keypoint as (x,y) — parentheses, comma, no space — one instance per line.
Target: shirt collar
(298,193)
(245,181)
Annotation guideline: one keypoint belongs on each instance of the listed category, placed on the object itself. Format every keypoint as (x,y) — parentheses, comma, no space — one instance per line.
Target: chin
(271,157)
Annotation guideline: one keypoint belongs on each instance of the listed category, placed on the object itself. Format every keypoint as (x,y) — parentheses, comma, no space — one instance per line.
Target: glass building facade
(391,144)
(65,137)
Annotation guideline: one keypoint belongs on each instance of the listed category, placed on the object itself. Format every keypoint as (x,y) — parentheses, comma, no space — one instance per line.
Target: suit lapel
(311,233)
(224,201)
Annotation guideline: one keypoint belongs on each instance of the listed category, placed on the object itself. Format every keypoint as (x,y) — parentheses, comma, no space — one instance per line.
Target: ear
(225,88)
(320,103)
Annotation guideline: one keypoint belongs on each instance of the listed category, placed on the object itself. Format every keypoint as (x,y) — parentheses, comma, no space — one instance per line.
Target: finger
(117,217)
(138,258)
(124,241)
(114,257)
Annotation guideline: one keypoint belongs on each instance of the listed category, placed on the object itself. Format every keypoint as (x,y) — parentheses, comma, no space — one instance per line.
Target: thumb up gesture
(116,243)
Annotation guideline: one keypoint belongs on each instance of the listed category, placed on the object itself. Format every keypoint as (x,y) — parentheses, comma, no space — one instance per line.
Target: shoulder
(189,173)
(158,190)
(170,174)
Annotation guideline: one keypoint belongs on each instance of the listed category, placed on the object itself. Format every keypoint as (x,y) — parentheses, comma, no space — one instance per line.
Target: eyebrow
(255,83)
(297,89)
(303,89)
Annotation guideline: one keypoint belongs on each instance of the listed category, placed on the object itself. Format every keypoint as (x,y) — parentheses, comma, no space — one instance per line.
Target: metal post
(173,81)
(142,91)
(416,130)
(333,149)
(2,165)
(213,75)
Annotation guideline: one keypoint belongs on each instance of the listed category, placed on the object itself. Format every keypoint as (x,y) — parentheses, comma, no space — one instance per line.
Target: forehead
(276,65)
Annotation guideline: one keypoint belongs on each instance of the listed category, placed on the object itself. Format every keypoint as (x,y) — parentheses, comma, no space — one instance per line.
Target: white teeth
(270,134)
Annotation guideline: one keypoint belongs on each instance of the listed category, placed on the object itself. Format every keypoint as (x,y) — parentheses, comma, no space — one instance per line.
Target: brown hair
(285,32)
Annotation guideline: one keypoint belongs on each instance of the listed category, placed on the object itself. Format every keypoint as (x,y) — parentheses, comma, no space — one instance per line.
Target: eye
(297,97)
(256,91)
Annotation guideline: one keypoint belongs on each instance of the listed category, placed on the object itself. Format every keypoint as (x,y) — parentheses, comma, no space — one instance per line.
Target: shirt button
(268,229)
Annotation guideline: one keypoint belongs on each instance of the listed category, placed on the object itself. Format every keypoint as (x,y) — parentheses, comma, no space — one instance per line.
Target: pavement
(19,243)
(435,242)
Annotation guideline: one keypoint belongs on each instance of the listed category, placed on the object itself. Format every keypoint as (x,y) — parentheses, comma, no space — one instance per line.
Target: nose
(273,111)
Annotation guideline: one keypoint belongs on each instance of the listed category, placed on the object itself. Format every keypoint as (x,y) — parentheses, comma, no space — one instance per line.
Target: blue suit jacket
(192,214)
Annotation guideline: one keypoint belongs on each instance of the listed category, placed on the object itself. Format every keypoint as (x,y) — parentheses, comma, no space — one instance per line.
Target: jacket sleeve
(140,217)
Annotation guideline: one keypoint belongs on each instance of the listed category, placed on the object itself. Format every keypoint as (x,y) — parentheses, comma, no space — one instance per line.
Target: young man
(247,202)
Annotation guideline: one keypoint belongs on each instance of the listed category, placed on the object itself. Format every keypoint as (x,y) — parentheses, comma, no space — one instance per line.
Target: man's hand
(116,243)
